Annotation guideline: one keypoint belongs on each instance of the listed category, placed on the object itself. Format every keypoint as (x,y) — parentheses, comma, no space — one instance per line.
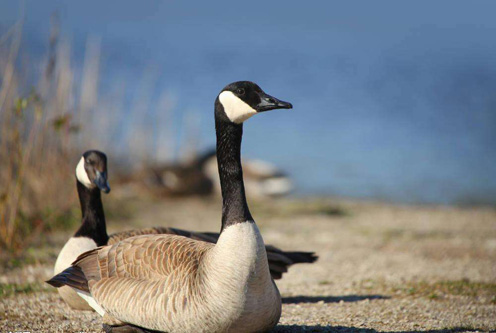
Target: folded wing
(158,272)
(279,261)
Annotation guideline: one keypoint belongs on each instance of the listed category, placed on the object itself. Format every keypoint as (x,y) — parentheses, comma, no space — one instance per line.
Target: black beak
(101,182)
(268,102)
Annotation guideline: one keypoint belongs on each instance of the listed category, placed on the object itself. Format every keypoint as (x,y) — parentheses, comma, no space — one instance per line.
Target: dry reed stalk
(33,151)
(43,133)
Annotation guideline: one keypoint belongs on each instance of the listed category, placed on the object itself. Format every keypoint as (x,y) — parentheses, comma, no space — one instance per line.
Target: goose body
(187,285)
(279,261)
(177,284)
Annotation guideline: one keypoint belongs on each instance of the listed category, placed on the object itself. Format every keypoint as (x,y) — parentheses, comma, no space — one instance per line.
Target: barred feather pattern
(279,261)
(176,284)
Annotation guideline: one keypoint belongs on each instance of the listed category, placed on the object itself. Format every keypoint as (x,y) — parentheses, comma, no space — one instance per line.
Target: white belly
(240,280)
(71,250)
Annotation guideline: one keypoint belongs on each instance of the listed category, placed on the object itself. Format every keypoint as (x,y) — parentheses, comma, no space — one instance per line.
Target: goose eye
(240,91)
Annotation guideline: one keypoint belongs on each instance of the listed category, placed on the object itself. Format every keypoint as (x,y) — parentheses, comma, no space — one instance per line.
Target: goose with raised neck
(175,284)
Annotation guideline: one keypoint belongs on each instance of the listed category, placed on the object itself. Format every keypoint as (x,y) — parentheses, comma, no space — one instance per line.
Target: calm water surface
(392,100)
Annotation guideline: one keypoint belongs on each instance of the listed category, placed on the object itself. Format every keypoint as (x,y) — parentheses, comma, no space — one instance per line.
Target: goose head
(91,170)
(240,100)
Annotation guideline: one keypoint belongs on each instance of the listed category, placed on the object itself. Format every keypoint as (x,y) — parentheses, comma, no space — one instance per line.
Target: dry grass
(43,129)
(35,141)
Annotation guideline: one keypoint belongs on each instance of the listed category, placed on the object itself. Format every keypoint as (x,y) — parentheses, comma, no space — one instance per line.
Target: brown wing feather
(206,236)
(156,271)
(141,257)
(279,261)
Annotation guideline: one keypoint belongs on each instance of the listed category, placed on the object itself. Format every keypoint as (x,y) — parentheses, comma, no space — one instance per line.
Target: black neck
(234,206)
(93,222)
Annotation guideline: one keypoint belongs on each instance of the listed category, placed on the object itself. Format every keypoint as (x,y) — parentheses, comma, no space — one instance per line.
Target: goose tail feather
(280,261)
(72,277)
(302,257)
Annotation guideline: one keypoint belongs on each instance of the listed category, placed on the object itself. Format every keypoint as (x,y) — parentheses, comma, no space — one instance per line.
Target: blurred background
(393,101)
(385,167)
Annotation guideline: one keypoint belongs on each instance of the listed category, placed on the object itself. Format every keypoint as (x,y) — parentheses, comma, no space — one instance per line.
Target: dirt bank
(382,267)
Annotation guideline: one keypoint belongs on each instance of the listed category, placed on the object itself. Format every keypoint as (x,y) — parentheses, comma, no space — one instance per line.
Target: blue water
(392,100)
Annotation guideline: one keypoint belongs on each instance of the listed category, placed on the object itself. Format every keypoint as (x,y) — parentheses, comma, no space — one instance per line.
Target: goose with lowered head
(177,284)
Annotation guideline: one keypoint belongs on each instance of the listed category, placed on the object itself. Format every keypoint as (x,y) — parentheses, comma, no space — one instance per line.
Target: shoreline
(381,267)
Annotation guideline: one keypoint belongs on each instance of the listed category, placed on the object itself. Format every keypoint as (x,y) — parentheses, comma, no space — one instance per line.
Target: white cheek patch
(236,109)
(81,174)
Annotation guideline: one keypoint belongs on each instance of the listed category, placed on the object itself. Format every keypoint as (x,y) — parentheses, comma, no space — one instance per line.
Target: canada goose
(91,178)
(177,284)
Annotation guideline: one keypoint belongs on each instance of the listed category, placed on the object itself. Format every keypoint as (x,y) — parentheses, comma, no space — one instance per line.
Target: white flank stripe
(91,301)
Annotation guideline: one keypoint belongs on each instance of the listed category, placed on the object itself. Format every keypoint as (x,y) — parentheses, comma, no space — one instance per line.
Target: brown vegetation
(43,129)
(35,140)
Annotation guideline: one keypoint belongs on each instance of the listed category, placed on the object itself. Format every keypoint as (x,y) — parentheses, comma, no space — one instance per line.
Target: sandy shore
(382,268)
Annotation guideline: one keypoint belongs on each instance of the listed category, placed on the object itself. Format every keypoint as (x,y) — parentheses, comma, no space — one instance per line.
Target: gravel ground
(382,268)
